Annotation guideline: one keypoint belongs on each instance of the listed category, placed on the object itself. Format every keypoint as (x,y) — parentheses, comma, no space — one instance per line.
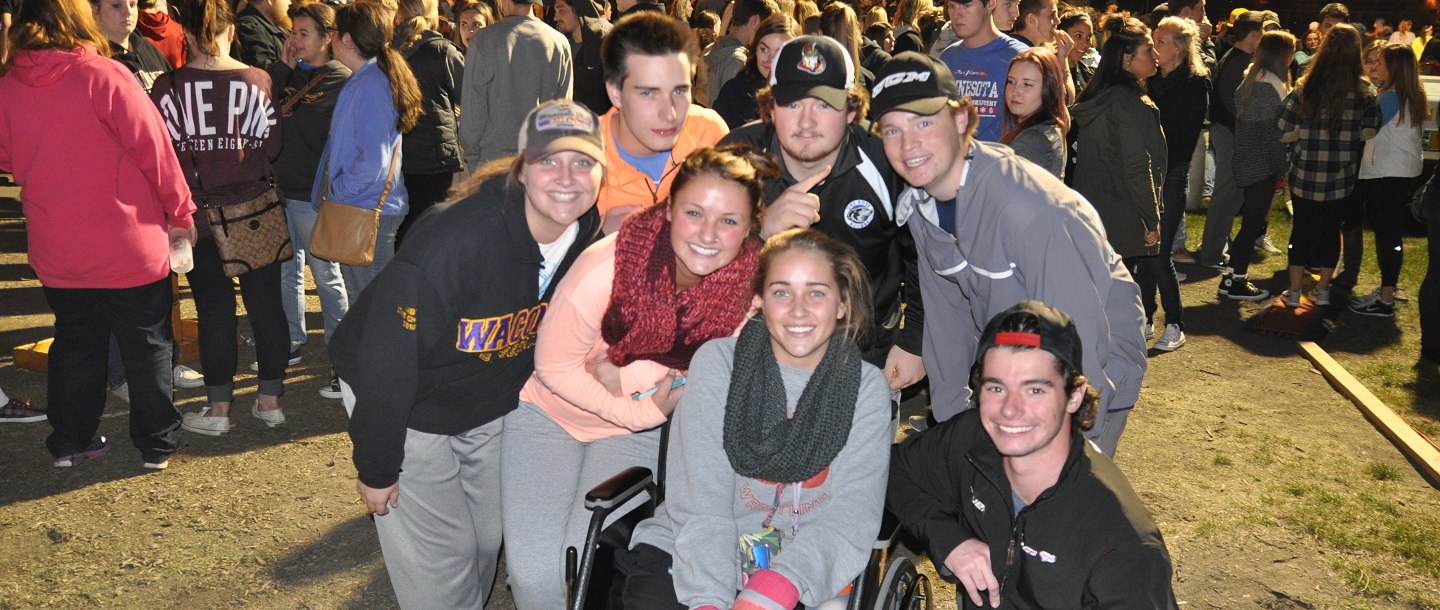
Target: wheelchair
(896,585)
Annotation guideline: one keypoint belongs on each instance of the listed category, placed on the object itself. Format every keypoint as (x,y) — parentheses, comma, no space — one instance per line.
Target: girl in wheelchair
(779,449)
(612,354)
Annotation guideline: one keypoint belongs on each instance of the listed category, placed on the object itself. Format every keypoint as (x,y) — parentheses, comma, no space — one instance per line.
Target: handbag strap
(389,176)
(295,98)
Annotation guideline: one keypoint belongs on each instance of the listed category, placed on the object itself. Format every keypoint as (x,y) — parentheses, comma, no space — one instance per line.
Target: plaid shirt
(1324,166)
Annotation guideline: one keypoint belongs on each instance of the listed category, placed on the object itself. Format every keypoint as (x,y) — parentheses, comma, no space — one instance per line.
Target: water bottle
(182,260)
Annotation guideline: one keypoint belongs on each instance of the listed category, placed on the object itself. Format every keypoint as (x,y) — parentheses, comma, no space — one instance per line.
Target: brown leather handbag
(347,234)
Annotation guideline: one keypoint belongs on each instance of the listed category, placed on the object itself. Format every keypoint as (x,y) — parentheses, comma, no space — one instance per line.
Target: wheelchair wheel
(903,588)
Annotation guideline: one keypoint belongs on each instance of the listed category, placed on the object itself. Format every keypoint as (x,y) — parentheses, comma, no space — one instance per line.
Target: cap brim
(833,96)
(567,143)
(924,106)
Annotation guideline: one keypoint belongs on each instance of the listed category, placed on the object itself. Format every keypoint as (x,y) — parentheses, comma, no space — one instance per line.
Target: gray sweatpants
(1225,201)
(545,474)
(442,540)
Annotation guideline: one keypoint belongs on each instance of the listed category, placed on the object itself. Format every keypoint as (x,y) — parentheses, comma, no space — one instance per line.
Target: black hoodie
(1086,542)
(142,58)
(444,337)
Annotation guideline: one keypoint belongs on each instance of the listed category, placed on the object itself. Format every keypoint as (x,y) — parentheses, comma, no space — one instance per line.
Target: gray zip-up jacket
(1022,234)
(510,68)
(708,506)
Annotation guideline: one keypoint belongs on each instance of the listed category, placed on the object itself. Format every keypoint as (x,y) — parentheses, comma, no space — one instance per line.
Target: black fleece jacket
(307,127)
(1087,542)
(444,337)
(857,203)
(439,67)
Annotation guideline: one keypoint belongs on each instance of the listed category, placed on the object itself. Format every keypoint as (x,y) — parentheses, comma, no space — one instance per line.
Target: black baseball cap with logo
(914,83)
(812,66)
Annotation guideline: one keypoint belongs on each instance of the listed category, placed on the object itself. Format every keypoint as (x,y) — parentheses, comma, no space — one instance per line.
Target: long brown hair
(779,23)
(206,20)
(1405,82)
(838,21)
(1052,94)
(371,32)
(1272,55)
(1336,73)
(59,25)
(1123,36)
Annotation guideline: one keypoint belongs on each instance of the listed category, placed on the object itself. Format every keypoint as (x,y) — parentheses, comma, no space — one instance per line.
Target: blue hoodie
(364,133)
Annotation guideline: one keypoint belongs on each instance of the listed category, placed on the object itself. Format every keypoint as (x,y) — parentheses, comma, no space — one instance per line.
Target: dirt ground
(1256,470)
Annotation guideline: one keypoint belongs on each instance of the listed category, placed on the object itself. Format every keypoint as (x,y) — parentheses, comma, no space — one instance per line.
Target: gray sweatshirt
(1022,234)
(708,506)
(510,68)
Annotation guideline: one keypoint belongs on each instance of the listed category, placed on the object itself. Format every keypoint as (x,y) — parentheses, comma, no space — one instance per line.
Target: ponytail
(206,20)
(371,32)
(415,17)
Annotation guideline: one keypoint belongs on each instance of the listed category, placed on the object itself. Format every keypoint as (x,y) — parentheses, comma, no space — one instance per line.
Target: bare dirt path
(1271,489)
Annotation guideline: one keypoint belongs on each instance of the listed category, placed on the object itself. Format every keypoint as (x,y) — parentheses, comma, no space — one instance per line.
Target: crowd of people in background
(795,209)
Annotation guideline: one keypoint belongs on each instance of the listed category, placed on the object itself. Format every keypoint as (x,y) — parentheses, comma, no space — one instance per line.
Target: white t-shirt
(554,253)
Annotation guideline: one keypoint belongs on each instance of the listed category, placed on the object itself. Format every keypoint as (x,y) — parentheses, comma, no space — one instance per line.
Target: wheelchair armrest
(618,489)
(889,528)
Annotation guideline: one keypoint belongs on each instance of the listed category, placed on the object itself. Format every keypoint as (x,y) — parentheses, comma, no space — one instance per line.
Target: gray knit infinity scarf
(761,442)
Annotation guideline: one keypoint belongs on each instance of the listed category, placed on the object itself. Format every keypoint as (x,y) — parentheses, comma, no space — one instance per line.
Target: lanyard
(795,511)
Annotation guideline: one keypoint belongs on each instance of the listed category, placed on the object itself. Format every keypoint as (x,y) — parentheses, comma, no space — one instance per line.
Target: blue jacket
(364,133)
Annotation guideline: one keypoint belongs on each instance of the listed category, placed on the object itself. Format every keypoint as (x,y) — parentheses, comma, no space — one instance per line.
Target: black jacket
(857,203)
(1183,98)
(260,41)
(589,81)
(1087,542)
(872,57)
(307,127)
(433,146)
(444,337)
(1227,77)
(736,102)
(142,58)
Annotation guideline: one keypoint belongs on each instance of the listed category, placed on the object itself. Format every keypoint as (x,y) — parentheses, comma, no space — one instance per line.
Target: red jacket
(168,36)
(99,177)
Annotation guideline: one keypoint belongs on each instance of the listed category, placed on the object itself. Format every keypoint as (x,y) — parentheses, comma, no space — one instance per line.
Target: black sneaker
(1374,307)
(1239,288)
(95,449)
(333,389)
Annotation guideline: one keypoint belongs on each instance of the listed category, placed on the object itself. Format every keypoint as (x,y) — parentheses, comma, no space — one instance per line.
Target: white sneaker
(200,423)
(1173,339)
(271,418)
(188,378)
(1322,297)
(1263,244)
(1292,298)
(1149,330)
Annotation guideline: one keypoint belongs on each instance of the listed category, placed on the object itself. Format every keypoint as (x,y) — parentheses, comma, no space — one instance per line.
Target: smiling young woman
(613,350)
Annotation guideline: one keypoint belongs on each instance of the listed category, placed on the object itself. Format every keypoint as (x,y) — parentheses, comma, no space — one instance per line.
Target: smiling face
(116,18)
(926,150)
(709,221)
(765,51)
(1023,405)
(1142,63)
(1082,33)
(311,46)
(802,307)
(653,102)
(559,189)
(1023,89)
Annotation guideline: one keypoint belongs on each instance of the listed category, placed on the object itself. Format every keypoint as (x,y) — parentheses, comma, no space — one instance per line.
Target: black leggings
(1253,213)
(214,294)
(1384,201)
(1315,234)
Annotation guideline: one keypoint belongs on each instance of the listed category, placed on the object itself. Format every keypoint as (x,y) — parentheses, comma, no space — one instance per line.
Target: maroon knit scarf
(646,320)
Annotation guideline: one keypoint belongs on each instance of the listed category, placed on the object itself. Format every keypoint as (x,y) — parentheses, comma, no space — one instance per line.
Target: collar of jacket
(915,199)
(427,38)
(517,228)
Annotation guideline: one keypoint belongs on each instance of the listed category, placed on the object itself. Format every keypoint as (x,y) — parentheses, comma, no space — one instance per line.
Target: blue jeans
(329,285)
(357,278)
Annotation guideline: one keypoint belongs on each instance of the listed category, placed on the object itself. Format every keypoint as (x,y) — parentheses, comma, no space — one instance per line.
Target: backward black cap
(912,82)
(1055,333)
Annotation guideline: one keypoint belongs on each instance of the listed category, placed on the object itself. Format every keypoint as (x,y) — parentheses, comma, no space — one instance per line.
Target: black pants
(645,572)
(1385,203)
(1158,272)
(425,191)
(1253,215)
(1429,301)
(1315,233)
(139,319)
(214,294)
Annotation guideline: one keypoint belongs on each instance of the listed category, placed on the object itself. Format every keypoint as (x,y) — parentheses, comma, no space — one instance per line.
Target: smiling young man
(980,61)
(835,179)
(1013,503)
(992,230)
(653,125)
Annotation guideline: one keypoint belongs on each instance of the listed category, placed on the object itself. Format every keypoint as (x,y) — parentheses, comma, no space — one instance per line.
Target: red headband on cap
(1025,339)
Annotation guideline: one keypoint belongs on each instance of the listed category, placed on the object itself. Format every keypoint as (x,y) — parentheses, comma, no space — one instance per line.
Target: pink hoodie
(99,177)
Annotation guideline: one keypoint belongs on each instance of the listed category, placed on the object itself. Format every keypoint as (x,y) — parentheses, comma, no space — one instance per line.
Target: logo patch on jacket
(504,336)
(407,317)
(859,213)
